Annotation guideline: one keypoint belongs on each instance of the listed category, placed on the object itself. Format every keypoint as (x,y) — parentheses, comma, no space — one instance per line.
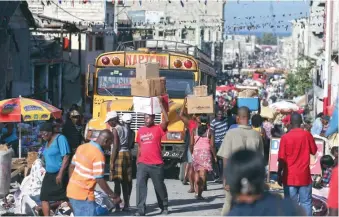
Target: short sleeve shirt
(55,152)
(149,141)
(192,125)
(242,137)
(89,162)
(295,149)
(333,194)
(219,128)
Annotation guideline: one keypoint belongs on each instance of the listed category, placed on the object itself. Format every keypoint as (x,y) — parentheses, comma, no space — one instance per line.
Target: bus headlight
(173,136)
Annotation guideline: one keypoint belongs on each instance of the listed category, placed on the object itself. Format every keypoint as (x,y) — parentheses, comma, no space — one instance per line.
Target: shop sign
(134,58)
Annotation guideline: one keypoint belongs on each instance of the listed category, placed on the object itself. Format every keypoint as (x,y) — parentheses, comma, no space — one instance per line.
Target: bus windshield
(116,82)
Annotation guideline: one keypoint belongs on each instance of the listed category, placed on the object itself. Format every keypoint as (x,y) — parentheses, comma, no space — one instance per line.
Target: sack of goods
(248,93)
(200,102)
(146,89)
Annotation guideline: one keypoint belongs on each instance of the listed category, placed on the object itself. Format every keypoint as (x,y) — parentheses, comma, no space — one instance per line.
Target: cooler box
(251,103)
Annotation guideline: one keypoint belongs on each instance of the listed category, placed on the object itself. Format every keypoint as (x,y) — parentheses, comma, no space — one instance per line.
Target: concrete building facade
(15,70)
(198,23)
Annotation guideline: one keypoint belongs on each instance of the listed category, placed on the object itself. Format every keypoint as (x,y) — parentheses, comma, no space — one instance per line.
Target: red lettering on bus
(141,58)
(133,59)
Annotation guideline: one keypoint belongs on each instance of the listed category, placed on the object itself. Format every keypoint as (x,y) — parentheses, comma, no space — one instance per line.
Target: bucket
(5,172)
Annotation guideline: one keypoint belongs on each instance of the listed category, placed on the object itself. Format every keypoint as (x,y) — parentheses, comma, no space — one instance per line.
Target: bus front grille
(138,119)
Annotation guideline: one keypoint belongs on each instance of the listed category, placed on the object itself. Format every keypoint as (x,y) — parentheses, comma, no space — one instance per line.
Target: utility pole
(115,24)
(328,54)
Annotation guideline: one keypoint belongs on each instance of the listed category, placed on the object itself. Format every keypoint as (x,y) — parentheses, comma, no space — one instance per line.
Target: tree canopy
(267,39)
(301,81)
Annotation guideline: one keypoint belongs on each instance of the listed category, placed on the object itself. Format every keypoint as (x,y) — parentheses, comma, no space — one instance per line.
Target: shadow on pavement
(187,205)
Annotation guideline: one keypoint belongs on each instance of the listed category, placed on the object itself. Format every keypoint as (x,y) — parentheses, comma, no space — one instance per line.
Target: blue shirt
(55,152)
(268,205)
(219,128)
(12,137)
(317,127)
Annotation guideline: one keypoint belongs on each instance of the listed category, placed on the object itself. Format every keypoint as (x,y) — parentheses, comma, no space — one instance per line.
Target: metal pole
(115,23)
(328,53)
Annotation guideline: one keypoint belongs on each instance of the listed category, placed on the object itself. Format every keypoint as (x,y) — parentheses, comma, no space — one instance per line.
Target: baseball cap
(110,115)
(74,113)
(127,118)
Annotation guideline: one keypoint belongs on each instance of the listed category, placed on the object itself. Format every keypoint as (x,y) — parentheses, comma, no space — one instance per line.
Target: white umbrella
(284,106)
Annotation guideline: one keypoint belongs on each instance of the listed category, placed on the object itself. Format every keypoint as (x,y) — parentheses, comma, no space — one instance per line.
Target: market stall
(21,109)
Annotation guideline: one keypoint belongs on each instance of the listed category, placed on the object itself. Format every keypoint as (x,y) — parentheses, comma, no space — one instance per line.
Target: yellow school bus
(183,66)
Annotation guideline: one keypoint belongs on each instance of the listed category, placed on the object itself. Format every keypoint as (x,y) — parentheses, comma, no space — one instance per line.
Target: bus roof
(165,46)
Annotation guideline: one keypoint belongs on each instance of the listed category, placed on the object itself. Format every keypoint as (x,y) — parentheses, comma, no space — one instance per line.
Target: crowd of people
(243,150)
(233,145)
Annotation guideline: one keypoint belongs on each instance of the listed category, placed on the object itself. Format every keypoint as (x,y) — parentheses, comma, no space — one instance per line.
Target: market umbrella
(224,88)
(18,109)
(284,106)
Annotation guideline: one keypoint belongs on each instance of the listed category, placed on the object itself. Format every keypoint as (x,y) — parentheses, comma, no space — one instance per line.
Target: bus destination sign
(133,58)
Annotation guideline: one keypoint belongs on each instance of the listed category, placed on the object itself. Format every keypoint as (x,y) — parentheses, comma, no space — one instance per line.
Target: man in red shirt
(150,163)
(332,201)
(294,172)
(190,124)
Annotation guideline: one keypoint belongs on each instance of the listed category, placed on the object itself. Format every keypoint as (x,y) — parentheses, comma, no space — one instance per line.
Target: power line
(67,12)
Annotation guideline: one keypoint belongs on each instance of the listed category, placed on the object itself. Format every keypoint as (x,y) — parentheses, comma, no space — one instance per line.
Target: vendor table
(18,166)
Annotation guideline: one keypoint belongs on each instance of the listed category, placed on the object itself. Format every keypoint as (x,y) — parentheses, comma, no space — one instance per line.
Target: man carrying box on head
(150,162)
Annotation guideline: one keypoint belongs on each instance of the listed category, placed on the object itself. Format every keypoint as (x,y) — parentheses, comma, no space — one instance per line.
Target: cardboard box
(148,87)
(200,90)
(149,105)
(3,147)
(147,70)
(200,105)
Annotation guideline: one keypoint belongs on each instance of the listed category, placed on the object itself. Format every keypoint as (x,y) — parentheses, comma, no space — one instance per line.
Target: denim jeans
(83,207)
(302,195)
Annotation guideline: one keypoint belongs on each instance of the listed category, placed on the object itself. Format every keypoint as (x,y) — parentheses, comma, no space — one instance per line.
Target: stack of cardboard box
(200,102)
(146,89)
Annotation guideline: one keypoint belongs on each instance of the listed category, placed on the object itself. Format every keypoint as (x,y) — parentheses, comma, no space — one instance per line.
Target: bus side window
(202,78)
(210,84)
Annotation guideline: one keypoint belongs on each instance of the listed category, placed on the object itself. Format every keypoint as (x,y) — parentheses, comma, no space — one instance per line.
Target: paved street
(180,202)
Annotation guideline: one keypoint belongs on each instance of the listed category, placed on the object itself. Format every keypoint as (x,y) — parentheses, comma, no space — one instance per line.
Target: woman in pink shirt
(201,145)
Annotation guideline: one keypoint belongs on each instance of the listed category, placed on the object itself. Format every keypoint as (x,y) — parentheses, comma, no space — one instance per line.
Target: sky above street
(284,11)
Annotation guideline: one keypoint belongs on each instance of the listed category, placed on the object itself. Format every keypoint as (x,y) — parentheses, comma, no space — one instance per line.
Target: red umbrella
(225,88)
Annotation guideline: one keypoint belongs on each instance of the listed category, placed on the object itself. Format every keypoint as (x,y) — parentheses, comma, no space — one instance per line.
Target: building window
(161,33)
(170,33)
(99,43)
(107,18)
(183,34)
